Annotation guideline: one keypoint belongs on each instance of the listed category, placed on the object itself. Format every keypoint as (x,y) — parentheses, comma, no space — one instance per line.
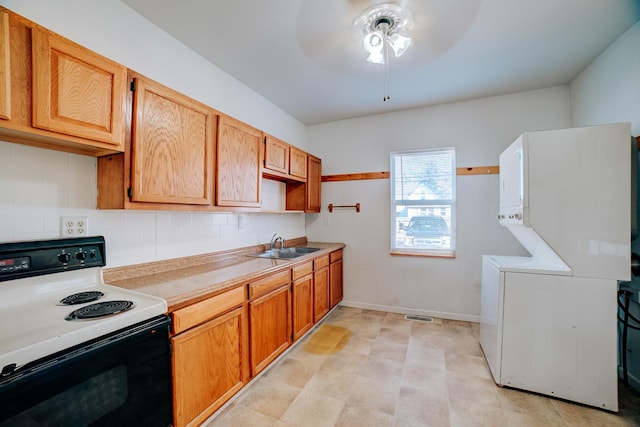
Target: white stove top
(32,322)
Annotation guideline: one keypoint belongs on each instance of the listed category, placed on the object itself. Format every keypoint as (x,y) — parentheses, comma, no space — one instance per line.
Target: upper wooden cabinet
(57,94)
(305,196)
(276,155)
(239,164)
(298,163)
(5,67)
(171,146)
(169,159)
(314,178)
(283,161)
(76,91)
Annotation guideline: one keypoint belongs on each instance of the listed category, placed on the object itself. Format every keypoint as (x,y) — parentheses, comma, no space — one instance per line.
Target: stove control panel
(25,259)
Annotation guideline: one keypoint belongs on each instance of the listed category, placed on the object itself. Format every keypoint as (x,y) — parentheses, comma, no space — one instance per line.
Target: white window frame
(437,207)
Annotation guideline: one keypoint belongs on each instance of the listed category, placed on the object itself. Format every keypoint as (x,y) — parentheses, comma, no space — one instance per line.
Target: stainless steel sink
(286,253)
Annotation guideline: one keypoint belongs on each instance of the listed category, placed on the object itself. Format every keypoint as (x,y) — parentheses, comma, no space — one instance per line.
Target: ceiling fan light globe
(399,43)
(376,57)
(373,42)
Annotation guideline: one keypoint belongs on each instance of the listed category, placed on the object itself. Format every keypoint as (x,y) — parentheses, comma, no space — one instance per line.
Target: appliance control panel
(26,259)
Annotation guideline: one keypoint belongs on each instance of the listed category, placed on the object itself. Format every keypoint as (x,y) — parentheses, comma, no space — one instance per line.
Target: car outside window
(423,202)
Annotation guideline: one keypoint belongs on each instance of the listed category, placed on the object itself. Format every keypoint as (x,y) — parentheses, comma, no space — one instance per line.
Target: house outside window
(423,202)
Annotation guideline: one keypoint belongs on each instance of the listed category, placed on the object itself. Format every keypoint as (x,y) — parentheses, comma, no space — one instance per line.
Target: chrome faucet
(274,241)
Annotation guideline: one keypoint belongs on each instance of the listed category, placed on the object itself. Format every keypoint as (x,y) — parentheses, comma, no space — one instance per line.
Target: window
(423,202)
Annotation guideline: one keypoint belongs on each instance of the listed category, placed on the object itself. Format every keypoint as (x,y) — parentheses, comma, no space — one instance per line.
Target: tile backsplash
(40,186)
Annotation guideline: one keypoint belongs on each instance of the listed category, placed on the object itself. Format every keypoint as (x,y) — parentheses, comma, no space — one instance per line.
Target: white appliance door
(491,314)
(559,337)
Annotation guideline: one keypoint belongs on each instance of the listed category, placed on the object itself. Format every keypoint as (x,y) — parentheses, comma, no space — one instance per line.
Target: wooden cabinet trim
(268,284)
(190,316)
(320,292)
(336,255)
(76,91)
(302,270)
(320,262)
(5,67)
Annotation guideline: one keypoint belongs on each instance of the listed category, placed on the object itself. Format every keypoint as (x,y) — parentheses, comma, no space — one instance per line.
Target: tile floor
(396,372)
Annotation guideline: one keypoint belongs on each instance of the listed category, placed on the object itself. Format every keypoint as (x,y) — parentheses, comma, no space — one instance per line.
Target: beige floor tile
(241,416)
(463,413)
(425,355)
(400,373)
(292,372)
(423,405)
(356,416)
(464,344)
(389,350)
(359,345)
(467,365)
(376,394)
(331,383)
(381,368)
(345,362)
(579,415)
(418,376)
(395,336)
(313,410)
(473,389)
(269,397)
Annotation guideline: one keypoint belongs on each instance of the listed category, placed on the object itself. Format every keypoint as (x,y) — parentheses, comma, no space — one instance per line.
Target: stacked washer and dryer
(549,321)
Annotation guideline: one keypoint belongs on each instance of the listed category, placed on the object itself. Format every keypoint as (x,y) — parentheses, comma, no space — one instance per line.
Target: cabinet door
(302,305)
(239,169)
(314,177)
(270,326)
(5,67)
(276,155)
(335,282)
(77,92)
(298,163)
(172,146)
(320,293)
(207,367)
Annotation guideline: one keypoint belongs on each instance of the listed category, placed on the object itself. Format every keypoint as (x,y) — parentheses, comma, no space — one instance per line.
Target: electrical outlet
(74,226)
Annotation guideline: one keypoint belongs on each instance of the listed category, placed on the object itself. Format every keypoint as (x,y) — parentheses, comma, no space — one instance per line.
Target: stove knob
(81,256)
(64,258)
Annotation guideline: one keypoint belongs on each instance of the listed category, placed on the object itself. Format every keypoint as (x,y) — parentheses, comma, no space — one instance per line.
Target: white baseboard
(406,310)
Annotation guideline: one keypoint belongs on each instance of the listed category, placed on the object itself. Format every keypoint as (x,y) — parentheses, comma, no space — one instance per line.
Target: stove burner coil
(100,309)
(81,298)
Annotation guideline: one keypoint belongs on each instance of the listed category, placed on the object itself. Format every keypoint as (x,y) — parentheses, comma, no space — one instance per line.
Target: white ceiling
(302,55)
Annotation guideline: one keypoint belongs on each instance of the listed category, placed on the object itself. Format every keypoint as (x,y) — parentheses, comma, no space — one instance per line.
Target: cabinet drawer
(268,284)
(320,262)
(335,256)
(302,270)
(197,313)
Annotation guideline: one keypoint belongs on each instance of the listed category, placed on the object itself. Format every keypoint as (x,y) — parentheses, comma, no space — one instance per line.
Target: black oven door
(123,379)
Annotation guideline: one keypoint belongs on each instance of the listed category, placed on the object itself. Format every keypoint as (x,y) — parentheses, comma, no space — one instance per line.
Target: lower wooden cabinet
(320,288)
(220,343)
(302,299)
(269,322)
(335,278)
(208,367)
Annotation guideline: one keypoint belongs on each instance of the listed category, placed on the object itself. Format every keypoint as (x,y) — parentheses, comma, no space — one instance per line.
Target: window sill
(425,254)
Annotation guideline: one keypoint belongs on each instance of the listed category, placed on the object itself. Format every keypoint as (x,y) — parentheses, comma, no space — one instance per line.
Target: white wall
(39,186)
(608,90)
(479,130)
